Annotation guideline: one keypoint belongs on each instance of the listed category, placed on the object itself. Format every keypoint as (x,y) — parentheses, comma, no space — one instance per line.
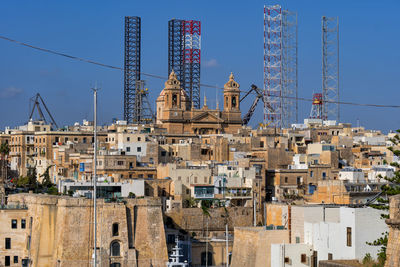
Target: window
(14,224)
(303,258)
(23,223)
(115,249)
(120,163)
(128,149)
(15,259)
(139,139)
(323,175)
(299,180)
(348,236)
(84,140)
(163,153)
(139,149)
(115,264)
(205,179)
(234,101)
(128,139)
(311,173)
(170,239)
(66,139)
(8,243)
(261,143)
(286,180)
(206,258)
(286,259)
(7,261)
(174,99)
(195,180)
(330,256)
(297,239)
(115,229)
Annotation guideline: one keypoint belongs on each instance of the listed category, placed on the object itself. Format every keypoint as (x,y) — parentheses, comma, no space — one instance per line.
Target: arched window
(174,99)
(234,101)
(115,249)
(115,229)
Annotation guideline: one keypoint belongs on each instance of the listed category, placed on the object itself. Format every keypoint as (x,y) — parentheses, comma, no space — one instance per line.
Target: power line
(164,78)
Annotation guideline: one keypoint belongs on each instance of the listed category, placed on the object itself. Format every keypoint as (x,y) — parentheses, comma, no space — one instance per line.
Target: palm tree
(205,206)
(226,220)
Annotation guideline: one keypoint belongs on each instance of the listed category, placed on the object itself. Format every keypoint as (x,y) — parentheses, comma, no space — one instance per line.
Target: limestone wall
(193,220)
(62,231)
(252,246)
(393,247)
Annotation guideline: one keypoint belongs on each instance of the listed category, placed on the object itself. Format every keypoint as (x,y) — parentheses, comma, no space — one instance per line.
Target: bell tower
(231,95)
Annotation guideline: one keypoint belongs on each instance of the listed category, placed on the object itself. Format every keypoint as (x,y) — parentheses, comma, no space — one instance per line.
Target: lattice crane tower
(184,56)
(280,67)
(330,68)
(137,108)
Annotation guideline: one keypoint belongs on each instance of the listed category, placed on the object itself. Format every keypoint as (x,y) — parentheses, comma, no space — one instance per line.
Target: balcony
(204,192)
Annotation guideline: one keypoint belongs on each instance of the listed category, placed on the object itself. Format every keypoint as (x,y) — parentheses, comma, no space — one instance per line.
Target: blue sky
(232,40)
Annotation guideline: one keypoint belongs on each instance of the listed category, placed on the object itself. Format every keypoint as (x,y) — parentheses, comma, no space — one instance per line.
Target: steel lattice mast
(273,65)
(176,49)
(192,61)
(289,68)
(280,67)
(131,66)
(137,108)
(184,50)
(330,68)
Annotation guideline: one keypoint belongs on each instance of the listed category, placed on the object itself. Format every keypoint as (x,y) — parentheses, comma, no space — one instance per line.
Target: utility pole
(226,241)
(95,178)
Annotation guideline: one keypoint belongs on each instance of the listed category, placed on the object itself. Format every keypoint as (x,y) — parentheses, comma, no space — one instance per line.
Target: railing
(13,207)
(210,195)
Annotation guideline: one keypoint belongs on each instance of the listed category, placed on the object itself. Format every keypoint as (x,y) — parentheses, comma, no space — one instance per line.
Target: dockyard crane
(259,95)
(36,104)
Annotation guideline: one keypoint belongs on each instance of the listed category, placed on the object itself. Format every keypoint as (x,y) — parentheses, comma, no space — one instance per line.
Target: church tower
(172,101)
(231,95)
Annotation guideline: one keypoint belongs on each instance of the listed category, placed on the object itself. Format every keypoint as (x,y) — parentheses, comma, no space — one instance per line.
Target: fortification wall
(252,246)
(393,247)
(62,231)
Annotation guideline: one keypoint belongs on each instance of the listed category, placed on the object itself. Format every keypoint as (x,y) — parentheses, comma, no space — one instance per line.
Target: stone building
(175,114)
(58,231)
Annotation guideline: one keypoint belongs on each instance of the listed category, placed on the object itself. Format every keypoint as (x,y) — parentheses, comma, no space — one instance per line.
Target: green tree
(4,150)
(52,190)
(46,182)
(32,178)
(382,203)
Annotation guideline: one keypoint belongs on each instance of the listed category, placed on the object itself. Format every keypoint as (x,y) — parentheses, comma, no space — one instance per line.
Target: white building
(299,162)
(346,239)
(352,175)
(131,143)
(299,255)
(104,188)
(377,173)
